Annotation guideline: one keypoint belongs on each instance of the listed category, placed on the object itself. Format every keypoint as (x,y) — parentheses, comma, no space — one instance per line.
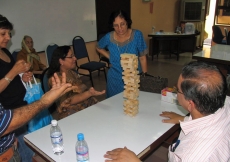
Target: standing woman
(122,40)
(12,91)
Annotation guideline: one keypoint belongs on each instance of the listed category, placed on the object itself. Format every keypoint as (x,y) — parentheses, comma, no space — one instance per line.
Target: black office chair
(46,88)
(49,52)
(226,34)
(44,81)
(228,38)
(15,53)
(80,52)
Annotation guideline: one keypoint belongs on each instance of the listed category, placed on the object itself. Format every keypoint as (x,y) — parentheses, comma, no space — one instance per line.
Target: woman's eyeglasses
(70,56)
(121,25)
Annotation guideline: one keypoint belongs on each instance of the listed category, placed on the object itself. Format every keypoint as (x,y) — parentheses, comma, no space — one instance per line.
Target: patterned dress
(73,78)
(135,45)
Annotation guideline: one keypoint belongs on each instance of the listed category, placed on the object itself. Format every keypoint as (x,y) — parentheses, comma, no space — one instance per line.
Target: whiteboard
(50,21)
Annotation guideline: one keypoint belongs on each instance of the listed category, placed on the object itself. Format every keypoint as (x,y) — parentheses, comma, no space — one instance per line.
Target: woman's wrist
(8,79)
(89,93)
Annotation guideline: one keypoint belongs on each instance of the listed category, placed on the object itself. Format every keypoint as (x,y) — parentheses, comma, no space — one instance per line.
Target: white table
(106,127)
(218,52)
(218,55)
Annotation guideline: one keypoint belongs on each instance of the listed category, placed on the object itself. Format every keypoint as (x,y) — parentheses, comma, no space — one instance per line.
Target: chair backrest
(228,38)
(217,34)
(15,53)
(44,81)
(79,48)
(226,34)
(49,52)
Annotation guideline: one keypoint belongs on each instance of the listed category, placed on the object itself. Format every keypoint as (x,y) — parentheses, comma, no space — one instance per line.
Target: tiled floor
(164,66)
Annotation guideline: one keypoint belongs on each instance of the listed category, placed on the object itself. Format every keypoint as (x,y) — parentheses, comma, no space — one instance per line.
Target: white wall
(50,21)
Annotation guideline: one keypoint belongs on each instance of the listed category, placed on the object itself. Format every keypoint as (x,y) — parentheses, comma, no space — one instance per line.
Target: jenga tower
(129,63)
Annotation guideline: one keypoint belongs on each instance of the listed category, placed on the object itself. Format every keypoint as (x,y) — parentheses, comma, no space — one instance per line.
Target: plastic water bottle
(56,138)
(82,150)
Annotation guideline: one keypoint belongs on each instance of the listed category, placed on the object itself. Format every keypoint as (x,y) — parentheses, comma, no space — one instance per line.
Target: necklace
(125,48)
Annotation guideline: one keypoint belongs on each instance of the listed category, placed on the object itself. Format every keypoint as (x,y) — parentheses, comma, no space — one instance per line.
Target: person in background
(29,55)
(12,90)
(181,28)
(217,36)
(205,134)
(63,60)
(10,120)
(122,40)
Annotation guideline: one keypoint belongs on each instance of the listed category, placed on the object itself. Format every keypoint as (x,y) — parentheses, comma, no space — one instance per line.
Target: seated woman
(29,54)
(217,36)
(63,60)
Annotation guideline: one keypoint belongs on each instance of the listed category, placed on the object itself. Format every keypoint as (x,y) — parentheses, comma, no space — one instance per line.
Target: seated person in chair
(63,60)
(217,36)
(29,55)
(181,28)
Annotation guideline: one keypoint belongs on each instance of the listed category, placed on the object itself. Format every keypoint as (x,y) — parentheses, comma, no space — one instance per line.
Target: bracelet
(8,79)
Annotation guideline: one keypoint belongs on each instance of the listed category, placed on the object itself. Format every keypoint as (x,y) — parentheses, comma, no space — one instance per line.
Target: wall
(164,17)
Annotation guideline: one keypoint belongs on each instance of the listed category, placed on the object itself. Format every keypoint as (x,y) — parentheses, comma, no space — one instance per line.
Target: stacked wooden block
(129,63)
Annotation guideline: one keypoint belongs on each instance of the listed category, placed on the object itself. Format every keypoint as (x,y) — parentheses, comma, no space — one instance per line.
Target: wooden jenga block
(132,79)
(131,111)
(128,56)
(130,95)
(130,72)
(129,63)
(131,90)
(132,86)
(131,102)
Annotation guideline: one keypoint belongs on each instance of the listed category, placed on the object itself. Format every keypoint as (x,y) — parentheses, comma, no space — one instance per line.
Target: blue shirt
(134,45)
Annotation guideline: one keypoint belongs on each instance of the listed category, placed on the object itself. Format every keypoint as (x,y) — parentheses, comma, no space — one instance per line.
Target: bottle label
(82,154)
(56,138)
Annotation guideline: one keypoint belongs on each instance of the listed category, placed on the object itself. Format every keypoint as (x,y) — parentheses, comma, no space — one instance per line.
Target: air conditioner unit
(192,10)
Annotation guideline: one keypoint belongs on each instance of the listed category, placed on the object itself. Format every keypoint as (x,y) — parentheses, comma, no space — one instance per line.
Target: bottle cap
(54,122)
(80,136)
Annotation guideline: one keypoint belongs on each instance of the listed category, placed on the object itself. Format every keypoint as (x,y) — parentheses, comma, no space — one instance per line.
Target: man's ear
(191,105)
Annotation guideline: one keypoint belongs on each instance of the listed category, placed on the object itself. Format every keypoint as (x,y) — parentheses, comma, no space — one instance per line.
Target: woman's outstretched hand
(93,92)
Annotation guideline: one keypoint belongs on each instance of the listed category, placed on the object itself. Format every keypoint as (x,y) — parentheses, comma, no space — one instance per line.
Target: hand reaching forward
(20,67)
(171,117)
(121,155)
(93,92)
(58,89)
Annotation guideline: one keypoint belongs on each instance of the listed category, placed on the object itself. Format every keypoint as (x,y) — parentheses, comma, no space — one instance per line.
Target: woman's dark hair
(121,14)
(183,22)
(59,53)
(5,24)
(205,85)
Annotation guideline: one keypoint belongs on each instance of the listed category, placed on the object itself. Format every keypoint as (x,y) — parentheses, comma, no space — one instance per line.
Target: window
(222,12)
